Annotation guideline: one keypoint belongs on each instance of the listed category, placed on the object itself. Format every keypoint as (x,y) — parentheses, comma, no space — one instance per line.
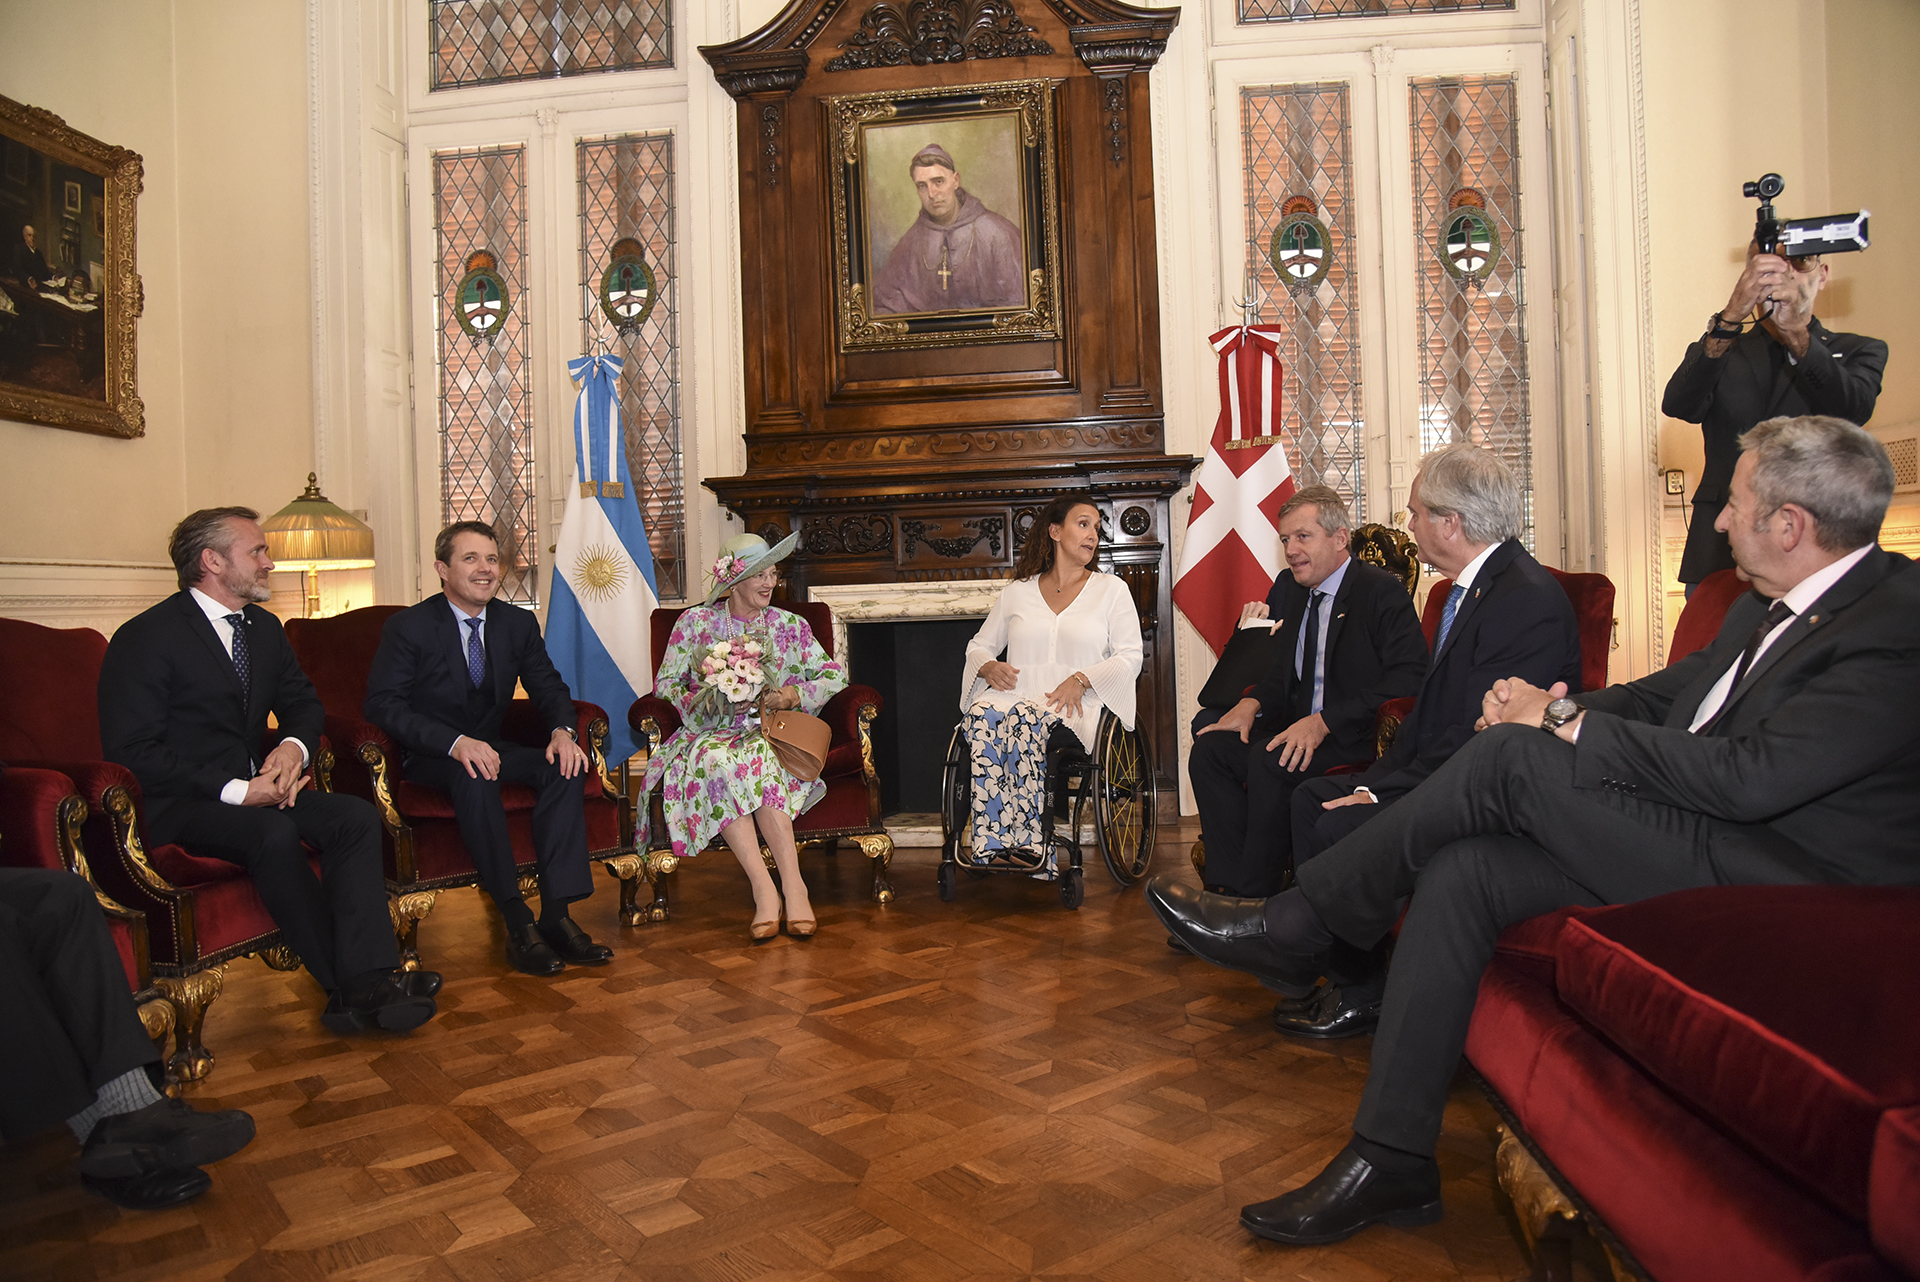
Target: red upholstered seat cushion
(1893,1188)
(1532,944)
(1789,1014)
(1688,1200)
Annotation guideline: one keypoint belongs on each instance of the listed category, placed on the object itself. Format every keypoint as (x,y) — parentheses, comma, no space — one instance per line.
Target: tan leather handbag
(799,740)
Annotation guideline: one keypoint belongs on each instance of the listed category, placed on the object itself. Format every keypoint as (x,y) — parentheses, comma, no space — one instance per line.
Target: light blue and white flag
(603,591)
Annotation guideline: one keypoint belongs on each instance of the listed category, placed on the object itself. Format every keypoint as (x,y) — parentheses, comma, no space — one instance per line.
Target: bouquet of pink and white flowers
(730,672)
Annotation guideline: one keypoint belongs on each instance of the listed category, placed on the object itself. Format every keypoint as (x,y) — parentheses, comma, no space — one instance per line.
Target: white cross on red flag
(1232,552)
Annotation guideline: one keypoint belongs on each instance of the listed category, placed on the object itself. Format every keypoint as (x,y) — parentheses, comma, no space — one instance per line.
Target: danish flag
(1232,552)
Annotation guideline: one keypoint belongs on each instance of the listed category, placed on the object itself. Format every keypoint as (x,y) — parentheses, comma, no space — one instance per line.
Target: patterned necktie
(476,657)
(1778,614)
(1309,653)
(242,656)
(1446,615)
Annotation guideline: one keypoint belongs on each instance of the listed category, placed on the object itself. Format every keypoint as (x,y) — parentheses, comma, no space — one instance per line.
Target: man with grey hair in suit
(1787,752)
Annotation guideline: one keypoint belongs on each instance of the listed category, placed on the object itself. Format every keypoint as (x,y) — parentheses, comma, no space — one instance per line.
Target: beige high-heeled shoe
(761,931)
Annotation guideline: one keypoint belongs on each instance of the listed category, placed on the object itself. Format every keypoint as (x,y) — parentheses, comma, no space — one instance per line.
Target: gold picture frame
(895,265)
(69,291)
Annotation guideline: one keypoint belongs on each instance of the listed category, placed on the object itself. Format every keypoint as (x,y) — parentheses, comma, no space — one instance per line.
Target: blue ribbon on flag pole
(603,590)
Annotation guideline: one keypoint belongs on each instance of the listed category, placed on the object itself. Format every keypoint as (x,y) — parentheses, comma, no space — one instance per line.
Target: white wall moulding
(81,594)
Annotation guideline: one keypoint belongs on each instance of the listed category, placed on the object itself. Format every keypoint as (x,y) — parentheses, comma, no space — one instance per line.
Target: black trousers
(559,821)
(1360,973)
(1496,835)
(1245,800)
(338,922)
(63,1001)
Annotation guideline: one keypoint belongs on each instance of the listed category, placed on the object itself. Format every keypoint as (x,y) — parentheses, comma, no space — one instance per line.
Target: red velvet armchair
(41,818)
(851,807)
(424,853)
(200,913)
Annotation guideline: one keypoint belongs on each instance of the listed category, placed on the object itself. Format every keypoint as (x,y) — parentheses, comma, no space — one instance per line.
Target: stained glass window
(1298,143)
(484,42)
(626,191)
(1305,10)
(486,429)
(1473,339)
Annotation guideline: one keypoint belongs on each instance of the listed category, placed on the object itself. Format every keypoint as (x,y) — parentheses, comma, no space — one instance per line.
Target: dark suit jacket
(1817,750)
(417,687)
(1375,652)
(1515,621)
(1753,382)
(171,708)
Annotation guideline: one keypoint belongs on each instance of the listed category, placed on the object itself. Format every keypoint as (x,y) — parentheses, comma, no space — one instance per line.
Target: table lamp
(312,535)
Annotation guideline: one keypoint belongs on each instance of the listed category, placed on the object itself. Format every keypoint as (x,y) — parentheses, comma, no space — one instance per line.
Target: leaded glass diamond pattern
(484,42)
(1305,10)
(1473,341)
(1298,143)
(626,189)
(486,430)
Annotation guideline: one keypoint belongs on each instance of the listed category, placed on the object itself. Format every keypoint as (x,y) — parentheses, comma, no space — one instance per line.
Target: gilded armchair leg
(658,866)
(1199,857)
(1548,1218)
(280,957)
(157,1017)
(878,847)
(190,995)
(407,912)
(629,868)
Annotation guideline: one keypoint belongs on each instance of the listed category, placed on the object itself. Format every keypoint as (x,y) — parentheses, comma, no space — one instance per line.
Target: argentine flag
(602,592)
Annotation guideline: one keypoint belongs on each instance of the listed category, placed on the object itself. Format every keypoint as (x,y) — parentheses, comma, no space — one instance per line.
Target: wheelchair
(1117,781)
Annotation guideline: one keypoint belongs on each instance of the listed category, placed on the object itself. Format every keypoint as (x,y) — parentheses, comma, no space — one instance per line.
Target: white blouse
(1097,636)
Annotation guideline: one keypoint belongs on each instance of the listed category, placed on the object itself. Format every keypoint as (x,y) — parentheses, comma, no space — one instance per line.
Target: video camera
(1801,237)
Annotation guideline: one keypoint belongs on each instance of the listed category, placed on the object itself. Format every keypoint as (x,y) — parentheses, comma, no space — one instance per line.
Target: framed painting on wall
(69,293)
(946,215)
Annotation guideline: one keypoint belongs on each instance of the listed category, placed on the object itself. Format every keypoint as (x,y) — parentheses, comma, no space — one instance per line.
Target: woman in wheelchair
(1072,640)
(720,774)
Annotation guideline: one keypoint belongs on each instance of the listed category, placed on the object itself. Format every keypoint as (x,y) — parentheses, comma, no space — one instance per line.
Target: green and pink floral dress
(712,771)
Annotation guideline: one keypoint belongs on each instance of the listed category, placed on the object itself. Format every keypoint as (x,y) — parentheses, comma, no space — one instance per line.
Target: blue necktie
(476,657)
(1309,669)
(242,657)
(1446,615)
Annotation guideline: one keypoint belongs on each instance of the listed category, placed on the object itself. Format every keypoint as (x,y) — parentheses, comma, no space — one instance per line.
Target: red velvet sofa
(1726,1079)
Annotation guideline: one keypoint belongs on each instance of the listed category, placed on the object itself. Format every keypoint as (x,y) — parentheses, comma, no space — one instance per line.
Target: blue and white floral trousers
(1009,751)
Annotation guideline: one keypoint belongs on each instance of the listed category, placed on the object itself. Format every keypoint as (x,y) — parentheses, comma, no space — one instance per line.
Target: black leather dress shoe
(1330,1016)
(574,944)
(1299,1005)
(1177,944)
(1232,934)
(153,1191)
(529,952)
(419,983)
(170,1135)
(1343,1199)
(382,1002)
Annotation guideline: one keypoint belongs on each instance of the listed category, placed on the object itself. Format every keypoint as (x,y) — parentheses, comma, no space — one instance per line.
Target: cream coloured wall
(212,95)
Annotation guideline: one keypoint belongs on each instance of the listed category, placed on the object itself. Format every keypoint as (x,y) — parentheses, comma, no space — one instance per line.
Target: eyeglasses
(1805,263)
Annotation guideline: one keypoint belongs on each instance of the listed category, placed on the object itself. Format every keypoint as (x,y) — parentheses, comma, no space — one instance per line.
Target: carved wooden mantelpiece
(927,464)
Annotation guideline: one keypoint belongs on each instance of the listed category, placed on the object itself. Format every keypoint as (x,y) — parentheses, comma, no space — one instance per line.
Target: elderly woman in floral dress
(718,772)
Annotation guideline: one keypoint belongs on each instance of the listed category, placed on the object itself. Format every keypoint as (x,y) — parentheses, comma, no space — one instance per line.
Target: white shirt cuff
(235,793)
(455,744)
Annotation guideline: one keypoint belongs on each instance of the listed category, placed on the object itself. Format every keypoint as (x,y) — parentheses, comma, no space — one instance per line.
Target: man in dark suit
(1344,640)
(1505,617)
(84,1057)
(440,685)
(185,692)
(1739,373)
(1787,752)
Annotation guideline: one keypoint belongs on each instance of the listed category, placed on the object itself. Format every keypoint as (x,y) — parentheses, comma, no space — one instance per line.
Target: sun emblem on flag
(600,573)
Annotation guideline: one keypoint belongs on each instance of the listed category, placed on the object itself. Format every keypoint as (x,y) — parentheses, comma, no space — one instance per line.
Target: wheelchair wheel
(1125,800)
(1072,888)
(946,882)
(956,795)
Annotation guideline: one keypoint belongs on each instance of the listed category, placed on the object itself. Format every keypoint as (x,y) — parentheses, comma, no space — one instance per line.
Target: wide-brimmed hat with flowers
(742,557)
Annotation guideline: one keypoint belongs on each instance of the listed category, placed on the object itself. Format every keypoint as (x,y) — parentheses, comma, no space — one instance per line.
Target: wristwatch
(1559,712)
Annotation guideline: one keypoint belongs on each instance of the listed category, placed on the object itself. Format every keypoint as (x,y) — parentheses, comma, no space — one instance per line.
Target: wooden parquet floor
(995,1088)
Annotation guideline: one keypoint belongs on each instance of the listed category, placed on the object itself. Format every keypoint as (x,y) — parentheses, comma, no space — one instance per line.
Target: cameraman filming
(1741,372)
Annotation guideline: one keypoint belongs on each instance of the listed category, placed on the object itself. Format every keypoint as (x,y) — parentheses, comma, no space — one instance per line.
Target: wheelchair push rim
(1124,800)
